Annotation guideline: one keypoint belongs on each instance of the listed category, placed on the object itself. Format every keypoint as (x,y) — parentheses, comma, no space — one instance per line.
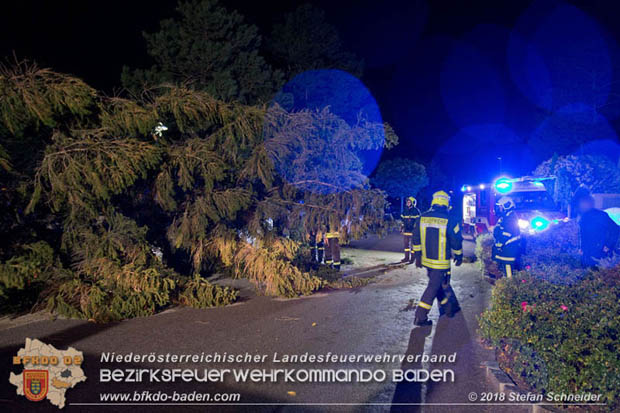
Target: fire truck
(535,207)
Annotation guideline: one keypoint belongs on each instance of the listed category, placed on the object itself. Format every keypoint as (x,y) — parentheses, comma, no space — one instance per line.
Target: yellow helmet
(441,198)
(413,200)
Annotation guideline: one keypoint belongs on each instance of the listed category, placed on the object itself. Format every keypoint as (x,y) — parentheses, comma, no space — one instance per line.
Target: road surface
(373,320)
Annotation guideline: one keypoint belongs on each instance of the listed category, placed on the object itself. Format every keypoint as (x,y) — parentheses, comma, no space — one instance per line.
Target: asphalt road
(376,319)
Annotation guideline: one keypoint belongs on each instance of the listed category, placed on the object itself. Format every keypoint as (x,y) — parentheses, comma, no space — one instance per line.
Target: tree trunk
(402,204)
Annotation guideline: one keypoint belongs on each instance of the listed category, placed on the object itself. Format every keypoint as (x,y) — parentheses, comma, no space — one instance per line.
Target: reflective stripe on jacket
(507,236)
(437,235)
(409,216)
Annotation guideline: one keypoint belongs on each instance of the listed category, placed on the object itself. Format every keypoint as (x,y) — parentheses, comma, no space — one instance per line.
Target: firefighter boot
(407,257)
(453,307)
(449,306)
(442,306)
(442,311)
(421,315)
(422,322)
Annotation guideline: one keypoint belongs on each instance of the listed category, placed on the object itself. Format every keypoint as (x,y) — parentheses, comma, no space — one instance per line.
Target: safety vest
(334,234)
(437,236)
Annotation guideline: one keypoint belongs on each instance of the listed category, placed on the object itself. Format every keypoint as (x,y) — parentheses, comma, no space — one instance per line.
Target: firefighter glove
(458,260)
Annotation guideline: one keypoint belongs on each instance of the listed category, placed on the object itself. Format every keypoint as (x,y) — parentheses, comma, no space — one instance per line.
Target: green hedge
(556,327)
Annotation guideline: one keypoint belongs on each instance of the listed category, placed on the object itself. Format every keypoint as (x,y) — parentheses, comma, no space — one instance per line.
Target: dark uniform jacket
(436,237)
(410,215)
(597,230)
(507,234)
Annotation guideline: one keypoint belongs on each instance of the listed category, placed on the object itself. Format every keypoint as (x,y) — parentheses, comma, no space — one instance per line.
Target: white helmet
(506,203)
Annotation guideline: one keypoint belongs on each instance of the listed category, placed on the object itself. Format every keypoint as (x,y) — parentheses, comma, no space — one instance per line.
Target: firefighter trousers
(332,253)
(320,251)
(507,267)
(438,288)
(407,241)
(316,249)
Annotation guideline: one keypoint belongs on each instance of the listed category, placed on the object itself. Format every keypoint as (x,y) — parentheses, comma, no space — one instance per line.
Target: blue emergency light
(539,223)
(503,185)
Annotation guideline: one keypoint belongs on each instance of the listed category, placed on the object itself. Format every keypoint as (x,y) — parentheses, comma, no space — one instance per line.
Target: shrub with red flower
(563,322)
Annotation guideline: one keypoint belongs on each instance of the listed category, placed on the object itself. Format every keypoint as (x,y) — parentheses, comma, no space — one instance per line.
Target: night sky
(405,46)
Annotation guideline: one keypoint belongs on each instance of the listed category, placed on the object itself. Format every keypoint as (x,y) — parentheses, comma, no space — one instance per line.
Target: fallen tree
(119,207)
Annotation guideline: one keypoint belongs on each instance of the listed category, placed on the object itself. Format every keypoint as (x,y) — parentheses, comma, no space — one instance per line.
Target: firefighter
(320,246)
(313,247)
(410,215)
(598,233)
(332,249)
(507,247)
(316,248)
(436,238)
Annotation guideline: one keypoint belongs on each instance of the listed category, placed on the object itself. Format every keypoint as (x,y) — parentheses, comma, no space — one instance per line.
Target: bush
(553,255)
(562,338)
(556,326)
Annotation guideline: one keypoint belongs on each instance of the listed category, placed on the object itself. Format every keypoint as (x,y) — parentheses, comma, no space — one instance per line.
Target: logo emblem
(35,384)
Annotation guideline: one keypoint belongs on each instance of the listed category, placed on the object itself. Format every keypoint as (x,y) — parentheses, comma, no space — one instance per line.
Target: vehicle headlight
(523,224)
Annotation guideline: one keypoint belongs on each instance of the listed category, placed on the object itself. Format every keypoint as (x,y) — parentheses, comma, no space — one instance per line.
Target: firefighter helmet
(414,202)
(506,203)
(441,198)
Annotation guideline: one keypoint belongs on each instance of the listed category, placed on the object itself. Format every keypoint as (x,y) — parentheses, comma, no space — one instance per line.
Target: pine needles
(134,219)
